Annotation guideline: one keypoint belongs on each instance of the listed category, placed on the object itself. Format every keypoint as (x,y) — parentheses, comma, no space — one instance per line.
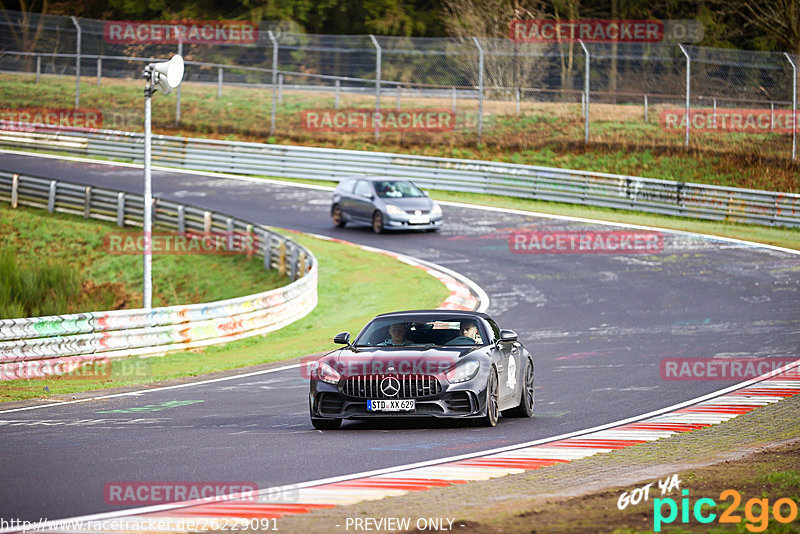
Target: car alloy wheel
(377,222)
(525,408)
(492,405)
(337,216)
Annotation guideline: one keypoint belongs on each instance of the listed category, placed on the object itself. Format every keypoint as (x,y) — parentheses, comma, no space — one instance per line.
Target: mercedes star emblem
(390,386)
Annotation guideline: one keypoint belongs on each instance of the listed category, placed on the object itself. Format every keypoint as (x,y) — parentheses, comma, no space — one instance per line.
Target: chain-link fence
(307,87)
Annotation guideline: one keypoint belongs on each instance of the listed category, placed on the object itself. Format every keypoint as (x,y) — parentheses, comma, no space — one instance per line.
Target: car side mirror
(426,193)
(368,195)
(508,335)
(342,338)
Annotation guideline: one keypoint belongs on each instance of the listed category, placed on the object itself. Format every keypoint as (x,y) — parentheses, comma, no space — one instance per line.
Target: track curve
(598,325)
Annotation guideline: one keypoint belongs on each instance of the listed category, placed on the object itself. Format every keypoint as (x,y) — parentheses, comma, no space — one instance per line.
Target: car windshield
(397,189)
(447,331)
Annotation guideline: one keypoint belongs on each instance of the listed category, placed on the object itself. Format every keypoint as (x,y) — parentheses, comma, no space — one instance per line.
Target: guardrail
(42,346)
(635,193)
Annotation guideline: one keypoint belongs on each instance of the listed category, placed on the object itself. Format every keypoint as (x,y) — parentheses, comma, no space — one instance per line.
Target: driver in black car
(397,333)
(468,334)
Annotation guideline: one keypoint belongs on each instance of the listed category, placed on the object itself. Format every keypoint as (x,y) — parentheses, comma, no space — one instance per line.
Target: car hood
(379,361)
(410,203)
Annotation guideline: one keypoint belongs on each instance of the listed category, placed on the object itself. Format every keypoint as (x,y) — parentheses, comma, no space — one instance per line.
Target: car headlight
(436,210)
(462,373)
(391,209)
(328,374)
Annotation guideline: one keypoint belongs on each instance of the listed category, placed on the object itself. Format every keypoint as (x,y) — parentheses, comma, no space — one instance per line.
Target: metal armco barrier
(41,346)
(525,181)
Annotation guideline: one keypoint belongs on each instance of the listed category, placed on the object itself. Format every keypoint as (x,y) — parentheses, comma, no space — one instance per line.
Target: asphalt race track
(598,325)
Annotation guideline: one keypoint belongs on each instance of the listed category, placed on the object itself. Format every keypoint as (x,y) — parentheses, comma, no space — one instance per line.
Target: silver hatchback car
(385,203)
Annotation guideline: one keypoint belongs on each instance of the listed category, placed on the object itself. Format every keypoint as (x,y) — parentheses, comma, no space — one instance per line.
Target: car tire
(377,222)
(337,216)
(525,408)
(492,401)
(326,424)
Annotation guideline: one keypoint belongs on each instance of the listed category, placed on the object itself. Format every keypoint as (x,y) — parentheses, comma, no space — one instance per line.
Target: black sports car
(427,363)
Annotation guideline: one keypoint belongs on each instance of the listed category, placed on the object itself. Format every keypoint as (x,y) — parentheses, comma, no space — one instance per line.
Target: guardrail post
(267,251)
(454,99)
(99,70)
(794,105)
(282,258)
(207,222)
(301,261)
(586,89)
(688,92)
(120,209)
(251,240)
(293,264)
(771,116)
(219,82)
(77,63)
(516,94)
(51,196)
(397,104)
(14,190)
(178,90)
(229,231)
(336,97)
(274,81)
(38,67)
(480,88)
(87,201)
(181,219)
(377,85)
(646,117)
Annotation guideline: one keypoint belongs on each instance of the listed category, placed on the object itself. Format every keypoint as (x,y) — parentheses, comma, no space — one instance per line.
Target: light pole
(165,77)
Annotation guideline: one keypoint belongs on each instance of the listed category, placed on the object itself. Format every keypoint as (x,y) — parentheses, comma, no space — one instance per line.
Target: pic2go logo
(756,511)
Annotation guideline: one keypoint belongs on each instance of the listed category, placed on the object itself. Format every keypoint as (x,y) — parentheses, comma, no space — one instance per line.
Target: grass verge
(354,285)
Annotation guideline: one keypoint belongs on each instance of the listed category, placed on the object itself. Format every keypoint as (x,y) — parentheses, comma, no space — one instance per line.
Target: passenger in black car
(468,334)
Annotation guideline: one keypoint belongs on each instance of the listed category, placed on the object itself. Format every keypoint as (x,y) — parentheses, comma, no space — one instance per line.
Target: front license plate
(405,405)
(419,219)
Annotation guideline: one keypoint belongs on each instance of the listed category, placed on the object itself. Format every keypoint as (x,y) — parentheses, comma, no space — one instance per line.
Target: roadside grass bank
(92,279)
(546,134)
(756,454)
(354,285)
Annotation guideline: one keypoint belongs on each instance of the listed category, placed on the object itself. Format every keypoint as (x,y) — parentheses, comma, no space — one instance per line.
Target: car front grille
(410,386)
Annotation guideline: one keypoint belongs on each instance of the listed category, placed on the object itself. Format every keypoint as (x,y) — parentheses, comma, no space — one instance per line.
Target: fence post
(99,70)
(280,89)
(794,105)
(399,90)
(274,81)
(219,82)
(51,197)
(207,222)
(454,99)
(336,98)
(87,201)
(77,63)
(178,93)
(480,88)
(181,219)
(14,191)
(516,92)
(586,87)
(38,67)
(771,116)
(688,92)
(229,231)
(715,112)
(377,84)
(646,116)
(120,209)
